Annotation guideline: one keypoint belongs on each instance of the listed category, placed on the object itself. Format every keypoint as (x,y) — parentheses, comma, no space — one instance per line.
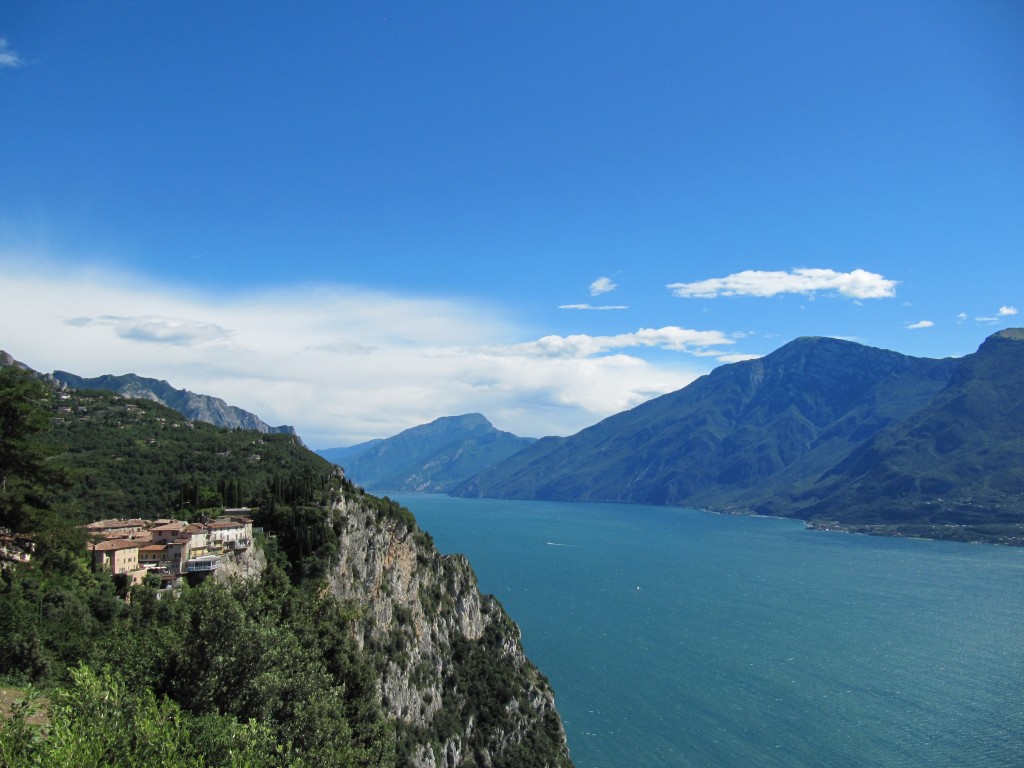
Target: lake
(675,637)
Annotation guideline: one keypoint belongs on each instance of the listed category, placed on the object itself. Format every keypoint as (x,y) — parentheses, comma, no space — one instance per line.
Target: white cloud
(583,346)
(1007,311)
(588,306)
(961,317)
(857,284)
(919,324)
(340,365)
(159,330)
(9,57)
(602,285)
(987,320)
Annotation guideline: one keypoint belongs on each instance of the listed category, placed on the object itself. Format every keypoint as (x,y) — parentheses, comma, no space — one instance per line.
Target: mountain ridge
(429,458)
(191,405)
(707,433)
(777,436)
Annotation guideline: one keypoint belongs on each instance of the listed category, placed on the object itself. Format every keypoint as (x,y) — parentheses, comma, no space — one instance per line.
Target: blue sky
(357,217)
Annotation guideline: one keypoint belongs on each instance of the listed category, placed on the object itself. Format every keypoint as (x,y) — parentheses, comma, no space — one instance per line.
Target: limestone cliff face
(452,668)
(245,565)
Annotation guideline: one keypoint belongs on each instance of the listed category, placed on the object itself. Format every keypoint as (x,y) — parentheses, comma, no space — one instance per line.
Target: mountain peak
(466,419)
(431,457)
(1010,334)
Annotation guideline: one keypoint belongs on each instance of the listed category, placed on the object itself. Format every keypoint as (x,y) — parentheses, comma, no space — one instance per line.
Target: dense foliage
(137,458)
(266,672)
(25,478)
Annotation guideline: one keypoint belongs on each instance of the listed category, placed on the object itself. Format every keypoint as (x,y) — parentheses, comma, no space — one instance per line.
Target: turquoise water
(674,637)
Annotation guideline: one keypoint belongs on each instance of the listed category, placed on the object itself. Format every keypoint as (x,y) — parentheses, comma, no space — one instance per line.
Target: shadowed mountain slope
(732,437)
(959,460)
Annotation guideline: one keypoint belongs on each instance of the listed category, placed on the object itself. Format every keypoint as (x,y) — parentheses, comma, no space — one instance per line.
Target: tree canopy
(25,477)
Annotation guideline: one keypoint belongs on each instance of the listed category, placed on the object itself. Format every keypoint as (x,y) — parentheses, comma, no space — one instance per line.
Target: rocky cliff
(452,668)
(246,564)
(193,406)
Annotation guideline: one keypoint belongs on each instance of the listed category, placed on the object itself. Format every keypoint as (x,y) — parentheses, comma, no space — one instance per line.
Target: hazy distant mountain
(341,456)
(205,408)
(430,458)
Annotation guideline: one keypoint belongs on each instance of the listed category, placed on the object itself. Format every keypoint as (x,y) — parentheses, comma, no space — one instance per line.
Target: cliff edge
(451,664)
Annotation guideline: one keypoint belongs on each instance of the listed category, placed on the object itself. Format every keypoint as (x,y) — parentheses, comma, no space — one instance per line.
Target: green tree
(98,721)
(24,475)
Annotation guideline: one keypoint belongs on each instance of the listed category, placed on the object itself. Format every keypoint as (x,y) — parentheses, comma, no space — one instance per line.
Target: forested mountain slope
(356,644)
(834,432)
(958,460)
(748,427)
(191,405)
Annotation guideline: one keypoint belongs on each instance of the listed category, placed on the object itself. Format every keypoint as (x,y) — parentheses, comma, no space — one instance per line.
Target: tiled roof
(172,526)
(108,546)
(100,525)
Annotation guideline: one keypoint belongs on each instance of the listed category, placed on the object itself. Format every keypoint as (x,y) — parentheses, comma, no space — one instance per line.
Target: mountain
(192,406)
(6,361)
(741,431)
(431,458)
(342,456)
(833,432)
(956,461)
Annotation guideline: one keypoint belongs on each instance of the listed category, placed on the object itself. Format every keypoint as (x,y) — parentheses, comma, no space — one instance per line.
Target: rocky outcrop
(245,565)
(193,406)
(449,661)
(452,668)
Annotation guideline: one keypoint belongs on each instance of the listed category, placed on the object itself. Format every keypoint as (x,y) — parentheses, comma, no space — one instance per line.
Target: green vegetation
(477,686)
(136,458)
(261,674)
(25,477)
(254,674)
(266,672)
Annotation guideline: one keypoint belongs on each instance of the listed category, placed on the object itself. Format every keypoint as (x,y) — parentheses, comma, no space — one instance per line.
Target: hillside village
(168,549)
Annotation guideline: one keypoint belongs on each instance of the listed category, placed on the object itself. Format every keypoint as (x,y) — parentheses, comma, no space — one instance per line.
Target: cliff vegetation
(351,641)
